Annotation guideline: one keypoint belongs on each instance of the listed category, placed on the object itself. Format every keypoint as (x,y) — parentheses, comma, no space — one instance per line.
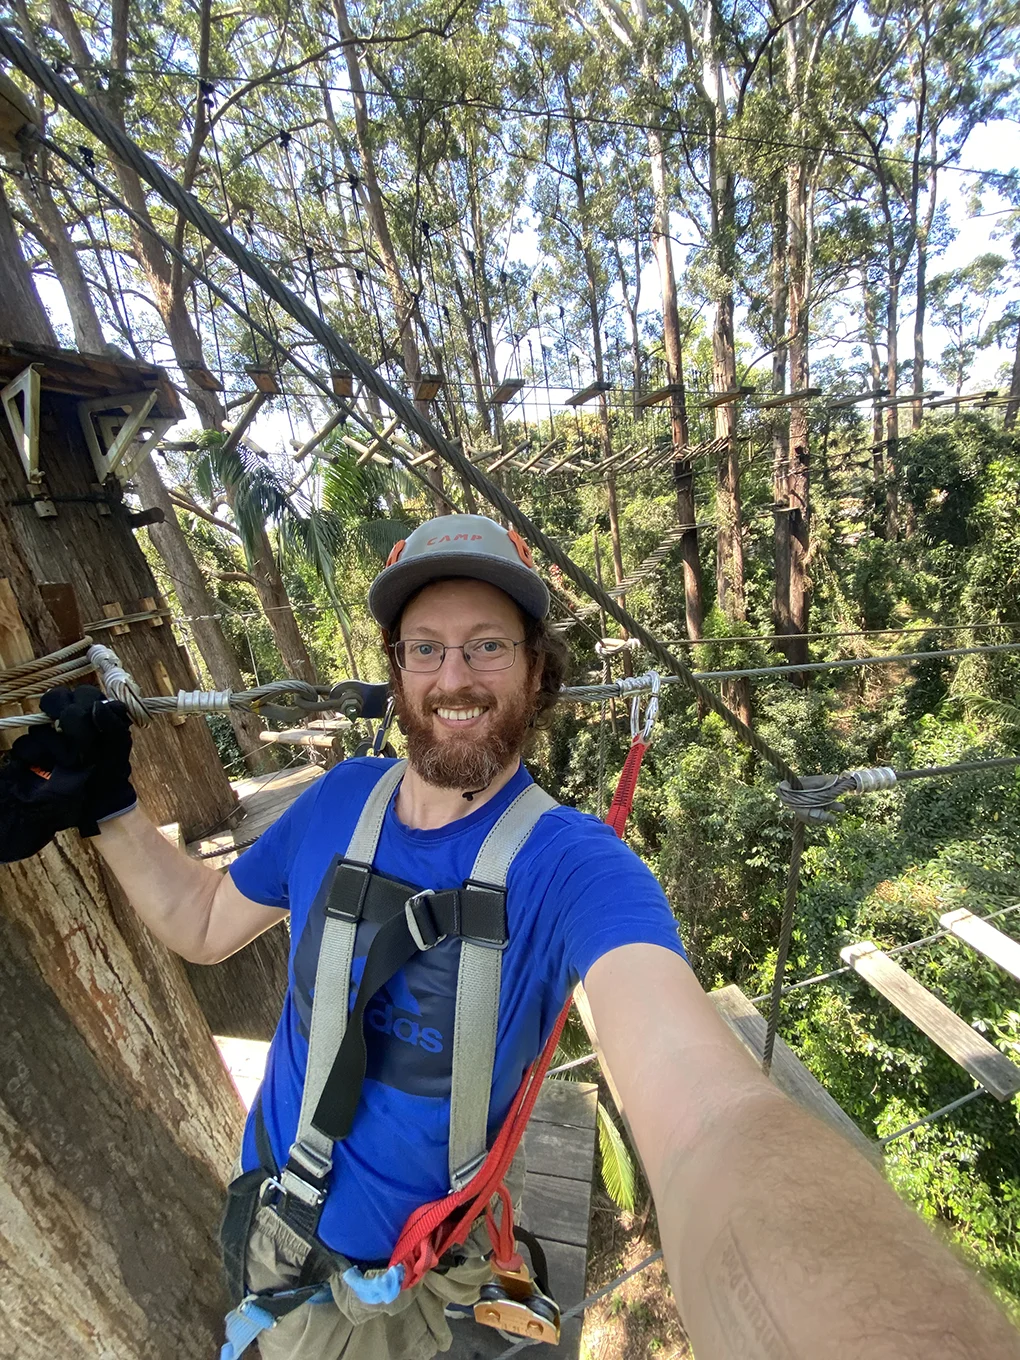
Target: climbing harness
(640,740)
(409,922)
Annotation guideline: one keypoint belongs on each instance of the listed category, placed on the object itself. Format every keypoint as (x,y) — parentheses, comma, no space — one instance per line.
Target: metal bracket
(25,430)
(128,431)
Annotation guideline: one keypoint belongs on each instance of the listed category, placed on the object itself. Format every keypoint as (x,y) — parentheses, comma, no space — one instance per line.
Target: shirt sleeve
(262,873)
(609,898)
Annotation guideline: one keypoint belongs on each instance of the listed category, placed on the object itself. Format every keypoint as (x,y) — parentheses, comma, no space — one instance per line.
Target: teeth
(460,714)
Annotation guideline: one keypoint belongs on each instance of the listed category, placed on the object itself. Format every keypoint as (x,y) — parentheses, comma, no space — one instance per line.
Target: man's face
(464,726)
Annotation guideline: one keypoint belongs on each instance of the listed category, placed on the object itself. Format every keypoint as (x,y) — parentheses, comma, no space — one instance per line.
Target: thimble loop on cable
(118,684)
(639,729)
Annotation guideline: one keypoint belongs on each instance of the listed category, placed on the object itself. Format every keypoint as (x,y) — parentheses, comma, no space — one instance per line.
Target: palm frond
(617,1163)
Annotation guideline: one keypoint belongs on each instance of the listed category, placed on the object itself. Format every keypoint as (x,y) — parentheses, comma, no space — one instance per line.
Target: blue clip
(382,1288)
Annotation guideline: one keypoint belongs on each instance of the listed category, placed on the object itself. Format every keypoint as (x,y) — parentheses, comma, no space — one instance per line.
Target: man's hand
(75,773)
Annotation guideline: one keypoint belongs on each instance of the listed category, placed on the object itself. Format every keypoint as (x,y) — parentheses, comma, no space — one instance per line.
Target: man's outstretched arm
(782,1243)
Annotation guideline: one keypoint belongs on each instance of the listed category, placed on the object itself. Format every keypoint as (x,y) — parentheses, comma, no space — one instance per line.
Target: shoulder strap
(312,1150)
(478,988)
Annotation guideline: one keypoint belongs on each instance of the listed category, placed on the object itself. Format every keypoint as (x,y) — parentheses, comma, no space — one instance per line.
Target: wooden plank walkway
(953,1035)
(788,1072)
(264,798)
(984,938)
(560,1150)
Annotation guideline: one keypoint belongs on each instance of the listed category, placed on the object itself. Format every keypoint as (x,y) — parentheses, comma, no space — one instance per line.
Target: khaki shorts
(413,1327)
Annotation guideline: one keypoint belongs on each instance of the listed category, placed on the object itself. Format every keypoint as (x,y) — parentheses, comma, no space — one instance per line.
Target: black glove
(99,732)
(74,775)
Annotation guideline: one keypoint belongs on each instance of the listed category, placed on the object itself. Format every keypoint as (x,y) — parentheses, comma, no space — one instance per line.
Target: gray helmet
(471,546)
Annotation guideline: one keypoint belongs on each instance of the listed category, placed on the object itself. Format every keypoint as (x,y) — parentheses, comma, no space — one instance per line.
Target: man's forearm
(784,1244)
(171,893)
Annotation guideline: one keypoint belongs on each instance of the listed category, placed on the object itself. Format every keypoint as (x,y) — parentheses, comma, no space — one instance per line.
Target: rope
(38,664)
(935,1114)
(120,145)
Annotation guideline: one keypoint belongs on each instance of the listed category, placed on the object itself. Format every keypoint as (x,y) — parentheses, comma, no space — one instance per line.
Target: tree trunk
(169,541)
(780,433)
(892,417)
(402,302)
(22,316)
(798,475)
(1013,405)
(877,437)
(683,467)
(88,332)
(921,302)
(118,1121)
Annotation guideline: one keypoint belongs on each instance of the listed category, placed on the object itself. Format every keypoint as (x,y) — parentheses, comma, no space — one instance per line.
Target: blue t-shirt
(574,892)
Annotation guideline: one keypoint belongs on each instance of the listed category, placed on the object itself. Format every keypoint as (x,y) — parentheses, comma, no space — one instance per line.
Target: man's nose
(456,667)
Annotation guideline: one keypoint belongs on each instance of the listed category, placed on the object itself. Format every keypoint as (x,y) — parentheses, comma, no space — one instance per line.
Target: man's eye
(491,646)
(423,648)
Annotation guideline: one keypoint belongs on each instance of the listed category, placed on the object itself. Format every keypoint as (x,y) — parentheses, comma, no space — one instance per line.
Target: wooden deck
(560,1151)
(264,798)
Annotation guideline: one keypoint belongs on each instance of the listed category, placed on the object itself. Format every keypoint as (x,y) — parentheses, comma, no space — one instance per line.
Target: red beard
(468,760)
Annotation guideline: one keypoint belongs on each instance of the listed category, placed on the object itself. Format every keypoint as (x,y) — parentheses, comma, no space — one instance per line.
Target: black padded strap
(476,911)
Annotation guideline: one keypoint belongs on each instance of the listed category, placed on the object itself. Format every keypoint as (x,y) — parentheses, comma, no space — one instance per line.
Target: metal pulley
(514,1303)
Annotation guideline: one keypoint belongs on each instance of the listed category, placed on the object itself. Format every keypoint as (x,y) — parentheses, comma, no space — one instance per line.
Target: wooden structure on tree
(74,531)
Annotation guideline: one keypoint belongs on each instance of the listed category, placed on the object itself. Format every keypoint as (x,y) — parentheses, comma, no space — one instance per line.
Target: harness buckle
(420,921)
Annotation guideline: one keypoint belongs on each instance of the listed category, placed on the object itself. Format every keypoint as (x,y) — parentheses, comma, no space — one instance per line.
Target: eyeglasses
(481,654)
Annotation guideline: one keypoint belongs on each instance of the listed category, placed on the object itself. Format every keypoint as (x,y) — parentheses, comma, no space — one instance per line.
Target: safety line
(609,1288)
(935,1114)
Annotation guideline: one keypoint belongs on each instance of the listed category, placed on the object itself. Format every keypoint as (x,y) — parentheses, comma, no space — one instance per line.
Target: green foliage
(617,1163)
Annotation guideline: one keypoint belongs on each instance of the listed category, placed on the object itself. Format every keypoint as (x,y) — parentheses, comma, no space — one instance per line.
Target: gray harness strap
(478,986)
(477,1002)
(312,1149)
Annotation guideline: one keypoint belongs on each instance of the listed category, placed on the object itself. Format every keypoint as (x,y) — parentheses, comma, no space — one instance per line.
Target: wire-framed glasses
(481,654)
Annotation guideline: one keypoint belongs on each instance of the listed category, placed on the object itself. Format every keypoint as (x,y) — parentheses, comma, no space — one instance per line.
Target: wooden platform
(984,938)
(954,1036)
(264,798)
(788,1072)
(560,1149)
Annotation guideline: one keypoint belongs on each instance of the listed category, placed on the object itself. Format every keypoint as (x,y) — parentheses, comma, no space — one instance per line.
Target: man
(781,1240)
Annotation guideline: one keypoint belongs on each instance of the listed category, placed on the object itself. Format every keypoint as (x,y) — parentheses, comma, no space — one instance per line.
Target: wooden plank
(115,610)
(789,398)
(984,938)
(788,1072)
(506,391)
(552,1150)
(585,395)
(953,1035)
(571,1104)
(659,395)
(559,1207)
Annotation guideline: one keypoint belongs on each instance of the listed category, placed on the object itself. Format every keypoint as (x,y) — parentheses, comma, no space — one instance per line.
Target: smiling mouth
(461,714)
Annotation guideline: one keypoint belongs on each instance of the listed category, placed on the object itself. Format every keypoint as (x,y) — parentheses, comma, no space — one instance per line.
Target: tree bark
(798,485)
(118,1121)
(1013,405)
(780,432)
(683,468)
(169,541)
(22,316)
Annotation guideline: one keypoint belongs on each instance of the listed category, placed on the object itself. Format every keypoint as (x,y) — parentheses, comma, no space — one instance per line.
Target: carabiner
(637,729)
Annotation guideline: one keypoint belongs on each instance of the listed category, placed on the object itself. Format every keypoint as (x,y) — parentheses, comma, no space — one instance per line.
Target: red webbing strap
(623,798)
(444,1223)
(436,1227)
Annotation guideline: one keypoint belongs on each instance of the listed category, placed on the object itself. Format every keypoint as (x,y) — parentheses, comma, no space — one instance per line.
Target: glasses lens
(415,655)
(490,654)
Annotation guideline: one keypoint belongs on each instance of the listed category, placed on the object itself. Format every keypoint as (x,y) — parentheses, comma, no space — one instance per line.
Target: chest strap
(411,922)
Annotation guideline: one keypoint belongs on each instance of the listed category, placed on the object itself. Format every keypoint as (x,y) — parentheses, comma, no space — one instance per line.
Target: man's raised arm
(782,1243)
(194,910)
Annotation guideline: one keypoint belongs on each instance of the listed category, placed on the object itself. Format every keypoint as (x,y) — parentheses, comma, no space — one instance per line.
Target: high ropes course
(808,799)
